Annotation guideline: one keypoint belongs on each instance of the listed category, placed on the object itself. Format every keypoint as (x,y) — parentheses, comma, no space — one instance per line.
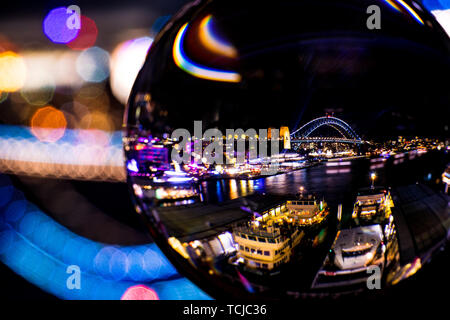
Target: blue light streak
(40,250)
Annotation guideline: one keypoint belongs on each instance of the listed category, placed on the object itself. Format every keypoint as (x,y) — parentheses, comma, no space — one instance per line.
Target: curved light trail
(183,62)
(40,250)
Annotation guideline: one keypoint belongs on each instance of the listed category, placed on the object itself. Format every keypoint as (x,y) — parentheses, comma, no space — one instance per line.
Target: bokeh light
(12,71)
(93,64)
(55,27)
(96,126)
(41,91)
(139,292)
(39,86)
(73,156)
(39,97)
(74,111)
(3,96)
(86,37)
(48,124)
(96,120)
(91,91)
(126,61)
(94,98)
(29,237)
(443,17)
(48,69)
(436,4)
(65,71)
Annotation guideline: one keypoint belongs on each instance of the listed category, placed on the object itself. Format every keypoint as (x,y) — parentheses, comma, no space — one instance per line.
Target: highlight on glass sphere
(293,149)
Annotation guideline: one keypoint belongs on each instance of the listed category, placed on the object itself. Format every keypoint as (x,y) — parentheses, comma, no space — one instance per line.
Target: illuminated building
(285,135)
(152,157)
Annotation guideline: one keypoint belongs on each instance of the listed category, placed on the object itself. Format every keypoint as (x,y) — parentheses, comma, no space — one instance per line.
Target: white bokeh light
(126,61)
(443,17)
(93,64)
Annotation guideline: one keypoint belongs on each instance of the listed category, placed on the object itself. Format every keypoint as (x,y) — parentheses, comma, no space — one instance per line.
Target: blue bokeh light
(93,64)
(55,27)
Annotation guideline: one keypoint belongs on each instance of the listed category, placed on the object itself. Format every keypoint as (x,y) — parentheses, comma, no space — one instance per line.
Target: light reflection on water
(334,184)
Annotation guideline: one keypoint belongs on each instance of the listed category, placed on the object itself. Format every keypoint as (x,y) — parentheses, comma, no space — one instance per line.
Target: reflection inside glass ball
(287,149)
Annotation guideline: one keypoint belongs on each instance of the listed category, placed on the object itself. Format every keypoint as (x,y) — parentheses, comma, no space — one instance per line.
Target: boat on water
(372,203)
(267,241)
(308,210)
(353,253)
(361,246)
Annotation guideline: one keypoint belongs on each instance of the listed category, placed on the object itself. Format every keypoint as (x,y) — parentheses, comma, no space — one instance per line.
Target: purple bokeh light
(55,27)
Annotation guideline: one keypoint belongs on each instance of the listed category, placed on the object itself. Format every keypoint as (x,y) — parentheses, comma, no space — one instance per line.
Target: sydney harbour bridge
(344,132)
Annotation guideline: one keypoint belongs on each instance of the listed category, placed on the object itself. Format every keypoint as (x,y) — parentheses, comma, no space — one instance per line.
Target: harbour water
(338,180)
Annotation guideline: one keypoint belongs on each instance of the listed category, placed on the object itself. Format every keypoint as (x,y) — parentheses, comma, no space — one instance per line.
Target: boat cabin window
(355,253)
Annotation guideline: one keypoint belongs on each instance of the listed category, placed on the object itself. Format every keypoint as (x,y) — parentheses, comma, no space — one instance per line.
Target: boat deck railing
(256,232)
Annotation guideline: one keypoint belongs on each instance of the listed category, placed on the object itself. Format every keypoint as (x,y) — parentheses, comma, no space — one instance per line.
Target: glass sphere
(292,149)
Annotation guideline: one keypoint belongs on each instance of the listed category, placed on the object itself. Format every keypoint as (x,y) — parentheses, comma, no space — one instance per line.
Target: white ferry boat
(267,241)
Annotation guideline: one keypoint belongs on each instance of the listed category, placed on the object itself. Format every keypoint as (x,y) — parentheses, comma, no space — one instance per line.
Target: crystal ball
(293,149)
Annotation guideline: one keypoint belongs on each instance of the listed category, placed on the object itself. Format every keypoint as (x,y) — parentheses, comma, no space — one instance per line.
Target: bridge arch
(339,125)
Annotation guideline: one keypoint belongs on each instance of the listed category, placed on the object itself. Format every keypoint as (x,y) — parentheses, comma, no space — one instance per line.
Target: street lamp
(301,191)
(373,176)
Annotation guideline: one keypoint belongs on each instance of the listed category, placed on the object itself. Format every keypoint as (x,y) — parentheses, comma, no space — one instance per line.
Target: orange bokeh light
(48,124)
